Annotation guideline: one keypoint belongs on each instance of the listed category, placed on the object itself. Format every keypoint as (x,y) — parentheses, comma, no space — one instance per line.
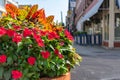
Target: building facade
(100,17)
(70,15)
(2,5)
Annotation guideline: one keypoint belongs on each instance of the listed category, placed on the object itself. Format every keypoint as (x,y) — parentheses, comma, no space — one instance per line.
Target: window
(117,26)
(2,2)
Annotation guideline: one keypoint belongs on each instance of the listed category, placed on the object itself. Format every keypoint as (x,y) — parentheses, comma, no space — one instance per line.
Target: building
(3,2)
(100,17)
(70,15)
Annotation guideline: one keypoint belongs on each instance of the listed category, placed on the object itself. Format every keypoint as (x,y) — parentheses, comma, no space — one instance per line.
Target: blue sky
(52,7)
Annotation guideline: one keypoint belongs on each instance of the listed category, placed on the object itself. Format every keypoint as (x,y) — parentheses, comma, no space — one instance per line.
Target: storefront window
(106,28)
(117,26)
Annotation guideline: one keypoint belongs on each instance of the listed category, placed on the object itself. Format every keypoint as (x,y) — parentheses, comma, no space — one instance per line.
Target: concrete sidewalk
(95,51)
(98,64)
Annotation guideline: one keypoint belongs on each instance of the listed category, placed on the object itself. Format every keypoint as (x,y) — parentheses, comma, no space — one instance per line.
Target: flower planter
(32,46)
(64,77)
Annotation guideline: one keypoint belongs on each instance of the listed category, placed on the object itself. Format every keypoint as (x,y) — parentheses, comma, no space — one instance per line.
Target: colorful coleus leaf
(50,19)
(41,16)
(32,11)
(12,10)
(22,13)
(35,15)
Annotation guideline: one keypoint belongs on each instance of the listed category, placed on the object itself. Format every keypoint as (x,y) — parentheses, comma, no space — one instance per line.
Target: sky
(52,7)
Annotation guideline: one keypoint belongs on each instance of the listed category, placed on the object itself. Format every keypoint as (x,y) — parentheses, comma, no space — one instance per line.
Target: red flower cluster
(10,32)
(2,31)
(38,40)
(31,60)
(52,35)
(16,74)
(68,35)
(17,38)
(27,32)
(3,58)
(42,33)
(58,53)
(45,54)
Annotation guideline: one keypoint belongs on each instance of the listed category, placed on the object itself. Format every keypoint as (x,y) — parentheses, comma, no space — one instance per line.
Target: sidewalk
(95,51)
(98,64)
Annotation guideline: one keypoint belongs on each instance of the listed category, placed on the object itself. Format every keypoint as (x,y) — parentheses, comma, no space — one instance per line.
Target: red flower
(17,38)
(60,56)
(61,43)
(52,35)
(16,74)
(56,51)
(27,32)
(45,54)
(38,40)
(2,31)
(31,60)
(42,33)
(68,35)
(35,30)
(10,32)
(3,58)
(16,27)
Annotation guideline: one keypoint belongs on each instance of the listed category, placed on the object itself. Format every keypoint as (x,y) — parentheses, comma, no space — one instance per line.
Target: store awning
(90,13)
(118,3)
(93,10)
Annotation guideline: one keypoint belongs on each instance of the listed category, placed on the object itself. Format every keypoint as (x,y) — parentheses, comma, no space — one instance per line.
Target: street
(98,64)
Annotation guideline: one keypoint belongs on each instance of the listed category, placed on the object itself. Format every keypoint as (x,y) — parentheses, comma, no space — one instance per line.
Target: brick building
(100,16)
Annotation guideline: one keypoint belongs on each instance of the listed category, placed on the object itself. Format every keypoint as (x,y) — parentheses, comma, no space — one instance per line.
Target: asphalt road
(98,64)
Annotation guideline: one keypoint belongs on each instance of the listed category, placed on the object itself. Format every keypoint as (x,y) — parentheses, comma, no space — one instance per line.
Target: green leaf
(9,26)
(29,74)
(28,41)
(9,60)
(52,67)
(20,46)
(51,47)
(24,78)
(7,75)
(26,71)
(8,18)
(1,72)
(14,57)
(52,74)
(5,38)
